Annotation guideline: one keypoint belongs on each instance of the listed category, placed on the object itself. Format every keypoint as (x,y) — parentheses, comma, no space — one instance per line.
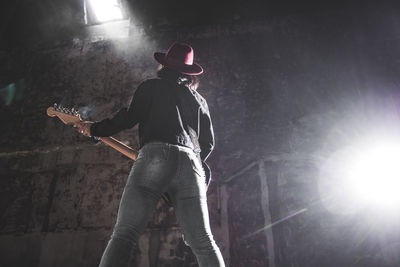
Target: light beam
(106,10)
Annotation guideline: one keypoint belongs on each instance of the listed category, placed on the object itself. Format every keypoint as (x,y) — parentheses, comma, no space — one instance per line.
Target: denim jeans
(160,168)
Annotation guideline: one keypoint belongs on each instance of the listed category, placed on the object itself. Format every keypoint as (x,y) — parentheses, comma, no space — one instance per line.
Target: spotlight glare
(374,175)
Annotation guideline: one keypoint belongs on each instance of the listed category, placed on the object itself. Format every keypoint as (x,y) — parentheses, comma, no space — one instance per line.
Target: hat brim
(194,69)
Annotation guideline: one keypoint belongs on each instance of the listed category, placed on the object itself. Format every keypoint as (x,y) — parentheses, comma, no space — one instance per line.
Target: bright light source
(363,176)
(106,10)
(374,174)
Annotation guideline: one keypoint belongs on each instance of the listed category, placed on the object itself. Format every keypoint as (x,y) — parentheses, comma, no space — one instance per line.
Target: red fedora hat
(179,57)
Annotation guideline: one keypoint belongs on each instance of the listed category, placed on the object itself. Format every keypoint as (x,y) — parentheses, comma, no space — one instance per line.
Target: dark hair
(189,81)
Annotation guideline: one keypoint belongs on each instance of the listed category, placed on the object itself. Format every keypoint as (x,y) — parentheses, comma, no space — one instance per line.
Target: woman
(176,137)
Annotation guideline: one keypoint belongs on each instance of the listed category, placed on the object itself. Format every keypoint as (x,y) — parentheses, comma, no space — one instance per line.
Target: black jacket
(166,112)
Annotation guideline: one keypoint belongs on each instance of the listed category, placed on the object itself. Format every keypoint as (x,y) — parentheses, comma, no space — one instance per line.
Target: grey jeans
(162,167)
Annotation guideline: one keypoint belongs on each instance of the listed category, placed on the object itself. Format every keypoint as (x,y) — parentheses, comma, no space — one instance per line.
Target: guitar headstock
(66,115)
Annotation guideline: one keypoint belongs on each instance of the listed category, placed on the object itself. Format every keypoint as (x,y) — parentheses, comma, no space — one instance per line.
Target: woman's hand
(84,127)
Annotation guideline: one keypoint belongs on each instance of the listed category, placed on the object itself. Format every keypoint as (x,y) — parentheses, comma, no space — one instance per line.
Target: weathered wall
(61,191)
(284,94)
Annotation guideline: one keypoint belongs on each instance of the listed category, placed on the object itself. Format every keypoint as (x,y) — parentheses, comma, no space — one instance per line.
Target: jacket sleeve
(125,118)
(206,137)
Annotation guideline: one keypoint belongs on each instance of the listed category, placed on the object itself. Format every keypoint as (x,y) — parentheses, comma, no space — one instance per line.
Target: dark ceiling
(24,23)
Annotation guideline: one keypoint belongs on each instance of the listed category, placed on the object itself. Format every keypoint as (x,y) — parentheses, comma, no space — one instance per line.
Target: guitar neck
(70,118)
(120,147)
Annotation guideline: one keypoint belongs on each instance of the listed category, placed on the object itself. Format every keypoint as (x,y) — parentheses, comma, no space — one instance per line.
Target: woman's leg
(192,212)
(147,180)
(136,206)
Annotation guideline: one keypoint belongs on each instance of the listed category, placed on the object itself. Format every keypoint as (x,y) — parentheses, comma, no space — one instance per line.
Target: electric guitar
(70,117)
